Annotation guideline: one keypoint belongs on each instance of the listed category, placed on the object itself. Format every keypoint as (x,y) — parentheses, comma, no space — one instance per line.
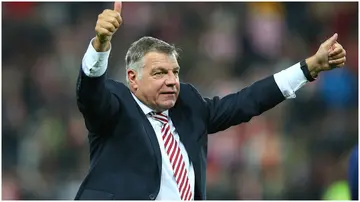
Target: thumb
(118,6)
(331,41)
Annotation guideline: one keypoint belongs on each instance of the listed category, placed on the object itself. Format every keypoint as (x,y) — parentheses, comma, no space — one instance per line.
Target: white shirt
(168,185)
(94,64)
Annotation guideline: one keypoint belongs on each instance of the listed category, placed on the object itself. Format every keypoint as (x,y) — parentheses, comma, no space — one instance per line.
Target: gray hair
(138,49)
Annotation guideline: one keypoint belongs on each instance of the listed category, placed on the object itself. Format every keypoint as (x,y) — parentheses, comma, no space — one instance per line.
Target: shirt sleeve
(94,64)
(290,80)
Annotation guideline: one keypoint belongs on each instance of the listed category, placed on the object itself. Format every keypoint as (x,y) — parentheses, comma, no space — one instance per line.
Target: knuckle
(109,20)
(108,29)
(99,25)
(98,28)
(111,26)
(113,21)
(108,33)
(115,13)
(104,32)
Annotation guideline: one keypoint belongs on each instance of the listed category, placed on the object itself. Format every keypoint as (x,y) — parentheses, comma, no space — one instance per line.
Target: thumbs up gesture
(330,55)
(107,24)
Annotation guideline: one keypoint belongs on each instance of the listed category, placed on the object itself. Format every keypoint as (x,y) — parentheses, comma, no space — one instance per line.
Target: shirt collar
(145,108)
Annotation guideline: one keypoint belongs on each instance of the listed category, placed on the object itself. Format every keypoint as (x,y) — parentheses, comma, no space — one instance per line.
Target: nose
(171,79)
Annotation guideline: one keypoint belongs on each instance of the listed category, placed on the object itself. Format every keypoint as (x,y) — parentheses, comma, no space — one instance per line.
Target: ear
(132,77)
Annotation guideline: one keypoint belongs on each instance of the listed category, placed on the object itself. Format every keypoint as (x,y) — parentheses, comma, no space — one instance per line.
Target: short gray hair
(138,49)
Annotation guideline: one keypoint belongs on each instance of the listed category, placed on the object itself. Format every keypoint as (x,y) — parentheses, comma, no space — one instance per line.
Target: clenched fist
(107,24)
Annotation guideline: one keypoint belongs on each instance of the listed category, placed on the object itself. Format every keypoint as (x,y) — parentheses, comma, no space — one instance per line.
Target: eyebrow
(164,69)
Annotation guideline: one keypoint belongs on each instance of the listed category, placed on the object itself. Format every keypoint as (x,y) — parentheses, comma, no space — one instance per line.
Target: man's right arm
(96,102)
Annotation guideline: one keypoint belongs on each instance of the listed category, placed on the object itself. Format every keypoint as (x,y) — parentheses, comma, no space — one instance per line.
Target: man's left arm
(251,101)
(265,94)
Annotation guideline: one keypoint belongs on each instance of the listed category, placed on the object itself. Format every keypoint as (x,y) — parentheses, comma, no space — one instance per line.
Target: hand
(107,24)
(337,56)
(330,55)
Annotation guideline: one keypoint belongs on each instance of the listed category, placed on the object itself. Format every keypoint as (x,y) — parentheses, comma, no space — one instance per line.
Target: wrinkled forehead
(157,59)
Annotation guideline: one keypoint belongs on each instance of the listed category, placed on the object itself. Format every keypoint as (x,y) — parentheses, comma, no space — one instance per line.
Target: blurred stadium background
(298,150)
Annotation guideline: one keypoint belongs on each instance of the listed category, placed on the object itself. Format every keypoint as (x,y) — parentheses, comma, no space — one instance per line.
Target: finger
(337,61)
(109,14)
(331,41)
(341,65)
(107,25)
(102,31)
(119,20)
(336,51)
(113,20)
(338,56)
(118,6)
(337,66)
(333,47)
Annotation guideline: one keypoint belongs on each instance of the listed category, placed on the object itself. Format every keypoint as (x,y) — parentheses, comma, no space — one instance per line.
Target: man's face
(158,86)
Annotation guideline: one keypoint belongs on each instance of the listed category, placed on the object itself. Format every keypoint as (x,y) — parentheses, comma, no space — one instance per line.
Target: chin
(168,104)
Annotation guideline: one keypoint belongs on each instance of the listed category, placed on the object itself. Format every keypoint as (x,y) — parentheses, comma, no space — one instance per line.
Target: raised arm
(263,95)
(98,104)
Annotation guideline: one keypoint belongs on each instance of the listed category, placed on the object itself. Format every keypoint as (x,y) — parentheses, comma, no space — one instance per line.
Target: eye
(159,73)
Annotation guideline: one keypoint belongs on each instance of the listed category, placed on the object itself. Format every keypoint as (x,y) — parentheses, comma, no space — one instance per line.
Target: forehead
(156,59)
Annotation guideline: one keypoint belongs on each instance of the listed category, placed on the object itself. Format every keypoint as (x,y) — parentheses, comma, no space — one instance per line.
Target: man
(148,140)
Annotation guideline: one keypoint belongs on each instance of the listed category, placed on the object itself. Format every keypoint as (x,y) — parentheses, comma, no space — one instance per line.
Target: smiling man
(162,73)
(148,139)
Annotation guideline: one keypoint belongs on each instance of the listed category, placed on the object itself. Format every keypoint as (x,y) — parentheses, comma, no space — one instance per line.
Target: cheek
(153,88)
